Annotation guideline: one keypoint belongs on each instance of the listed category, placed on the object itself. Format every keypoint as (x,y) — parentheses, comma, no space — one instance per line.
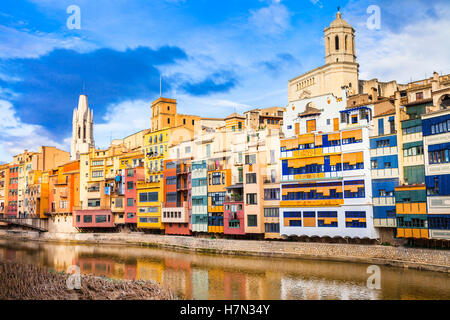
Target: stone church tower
(339,41)
(340,68)
(82,129)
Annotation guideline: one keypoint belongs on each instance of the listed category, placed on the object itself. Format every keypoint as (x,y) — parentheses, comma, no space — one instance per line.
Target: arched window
(336,43)
(346,40)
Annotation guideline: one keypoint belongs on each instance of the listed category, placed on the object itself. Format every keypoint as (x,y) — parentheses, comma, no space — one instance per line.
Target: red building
(177,205)
(11,209)
(132,176)
(233,213)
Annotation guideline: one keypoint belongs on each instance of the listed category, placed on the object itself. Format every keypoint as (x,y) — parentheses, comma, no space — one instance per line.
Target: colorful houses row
(346,158)
(360,166)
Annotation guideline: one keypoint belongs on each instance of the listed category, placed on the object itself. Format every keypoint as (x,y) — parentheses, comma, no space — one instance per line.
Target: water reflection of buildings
(203,277)
(107,267)
(194,282)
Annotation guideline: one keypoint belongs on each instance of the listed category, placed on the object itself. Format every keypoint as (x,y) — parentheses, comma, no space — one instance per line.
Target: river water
(218,277)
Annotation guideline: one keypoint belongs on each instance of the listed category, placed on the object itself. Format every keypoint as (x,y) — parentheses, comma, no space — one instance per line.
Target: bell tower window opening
(336,43)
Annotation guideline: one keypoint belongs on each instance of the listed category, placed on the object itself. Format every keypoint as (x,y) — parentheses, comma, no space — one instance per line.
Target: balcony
(175,214)
(183,169)
(383,151)
(234,197)
(384,201)
(384,173)
(182,186)
(413,160)
(385,223)
(269,179)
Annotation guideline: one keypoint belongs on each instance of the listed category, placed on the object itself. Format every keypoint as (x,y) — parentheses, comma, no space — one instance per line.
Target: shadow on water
(204,276)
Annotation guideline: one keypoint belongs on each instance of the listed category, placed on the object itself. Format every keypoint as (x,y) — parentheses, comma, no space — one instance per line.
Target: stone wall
(425,259)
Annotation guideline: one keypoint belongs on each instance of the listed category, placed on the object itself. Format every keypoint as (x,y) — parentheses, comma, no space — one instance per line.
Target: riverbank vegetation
(30,282)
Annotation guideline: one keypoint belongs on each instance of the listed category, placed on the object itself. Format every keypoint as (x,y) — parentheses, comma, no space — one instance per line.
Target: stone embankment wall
(425,259)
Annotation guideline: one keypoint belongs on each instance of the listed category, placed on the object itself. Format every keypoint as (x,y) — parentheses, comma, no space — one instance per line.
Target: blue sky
(215,57)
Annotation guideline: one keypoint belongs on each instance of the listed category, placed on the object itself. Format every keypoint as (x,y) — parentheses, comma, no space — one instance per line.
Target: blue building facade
(436,136)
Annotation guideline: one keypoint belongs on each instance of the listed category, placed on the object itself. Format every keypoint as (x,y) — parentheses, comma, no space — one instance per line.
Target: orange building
(63,196)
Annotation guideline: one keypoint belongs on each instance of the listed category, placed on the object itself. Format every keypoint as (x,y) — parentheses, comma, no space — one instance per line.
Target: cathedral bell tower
(82,129)
(339,41)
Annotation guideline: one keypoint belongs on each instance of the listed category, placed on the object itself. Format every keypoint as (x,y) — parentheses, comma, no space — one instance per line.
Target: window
(272,194)
(380,127)
(439,156)
(216,178)
(419,95)
(251,198)
(172,180)
(217,198)
(383,143)
(292,214)
(93,202)
(271,212)
(251,178)
(271,227)
(130,185)
(78,218)
(97,162)
(87,219)
(374,164)
(100,218)
(250,159)
(336,43)
(130,202)
(252,220)
(295,223)
(97,174)
(148,197)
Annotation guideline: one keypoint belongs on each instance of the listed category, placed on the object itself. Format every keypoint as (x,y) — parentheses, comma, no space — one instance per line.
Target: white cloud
(409,51)
(16,136)
(122,120)
(20,44)
(273,19)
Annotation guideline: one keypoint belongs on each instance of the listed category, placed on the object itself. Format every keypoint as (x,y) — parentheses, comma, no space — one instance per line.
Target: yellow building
(168,128)
(164,115)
